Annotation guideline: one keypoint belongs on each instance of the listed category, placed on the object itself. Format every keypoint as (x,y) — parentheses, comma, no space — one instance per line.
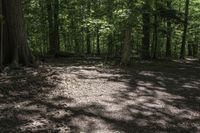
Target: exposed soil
(78,97)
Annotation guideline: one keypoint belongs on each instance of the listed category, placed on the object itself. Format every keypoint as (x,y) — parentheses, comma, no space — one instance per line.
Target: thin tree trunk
(146,32)
(88,34)
(50,26)
(184,36)
(126,47)
(110,21)
(155,32)
(169,40)
(42,24)
(98,43)
(169,33)
(1,39)
(190,52)
(56,27)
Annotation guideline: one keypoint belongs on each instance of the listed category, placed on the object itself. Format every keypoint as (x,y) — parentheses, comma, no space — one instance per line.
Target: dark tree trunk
(15,37)
(43,27)
(56,27)
(169,33)
(110,51)
(1,34)
(50,26)
(195,50)
(110,45)
(98,43)
(184,36)
(88,34)
(155,32)
(169,40)
(190,52)
(146,32)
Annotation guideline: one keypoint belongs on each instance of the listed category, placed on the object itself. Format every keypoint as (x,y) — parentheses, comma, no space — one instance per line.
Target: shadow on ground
(65,98)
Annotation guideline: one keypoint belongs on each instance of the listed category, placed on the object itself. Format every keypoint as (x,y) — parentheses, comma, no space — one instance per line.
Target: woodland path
(79,97)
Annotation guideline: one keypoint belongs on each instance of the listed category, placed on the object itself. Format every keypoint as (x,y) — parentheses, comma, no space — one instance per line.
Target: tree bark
(15,44)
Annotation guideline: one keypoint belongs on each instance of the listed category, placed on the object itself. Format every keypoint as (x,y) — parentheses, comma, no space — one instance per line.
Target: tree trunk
(88,34)
(56,27)
(195,50)
(169,40)
(155,32)
(184,36)
(50,26)
(126,47)
(146,31)
(1,34)
(43,26)
(15,44)
(98,43)
(110,21)
(190,52)
(169,33)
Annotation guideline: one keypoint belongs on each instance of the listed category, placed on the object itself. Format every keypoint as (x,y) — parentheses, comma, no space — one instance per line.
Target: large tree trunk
(15,38)
(184,37)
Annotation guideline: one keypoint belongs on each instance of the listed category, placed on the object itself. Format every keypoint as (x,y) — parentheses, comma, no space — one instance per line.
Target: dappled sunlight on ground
(84,98)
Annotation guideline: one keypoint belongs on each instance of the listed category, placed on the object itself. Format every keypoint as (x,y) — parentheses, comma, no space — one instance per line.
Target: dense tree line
(108,28)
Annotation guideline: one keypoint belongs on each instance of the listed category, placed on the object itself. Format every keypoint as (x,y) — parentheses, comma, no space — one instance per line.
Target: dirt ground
(81,97)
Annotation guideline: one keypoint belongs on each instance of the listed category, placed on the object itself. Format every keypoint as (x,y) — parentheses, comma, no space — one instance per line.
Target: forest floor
(63,96)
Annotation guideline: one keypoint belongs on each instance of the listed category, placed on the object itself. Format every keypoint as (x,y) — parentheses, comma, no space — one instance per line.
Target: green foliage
(103,18)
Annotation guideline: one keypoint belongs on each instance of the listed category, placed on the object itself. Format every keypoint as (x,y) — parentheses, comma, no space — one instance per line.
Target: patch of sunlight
(189,86)
(146,84)
(147,73)
(158,105)
(35,124)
